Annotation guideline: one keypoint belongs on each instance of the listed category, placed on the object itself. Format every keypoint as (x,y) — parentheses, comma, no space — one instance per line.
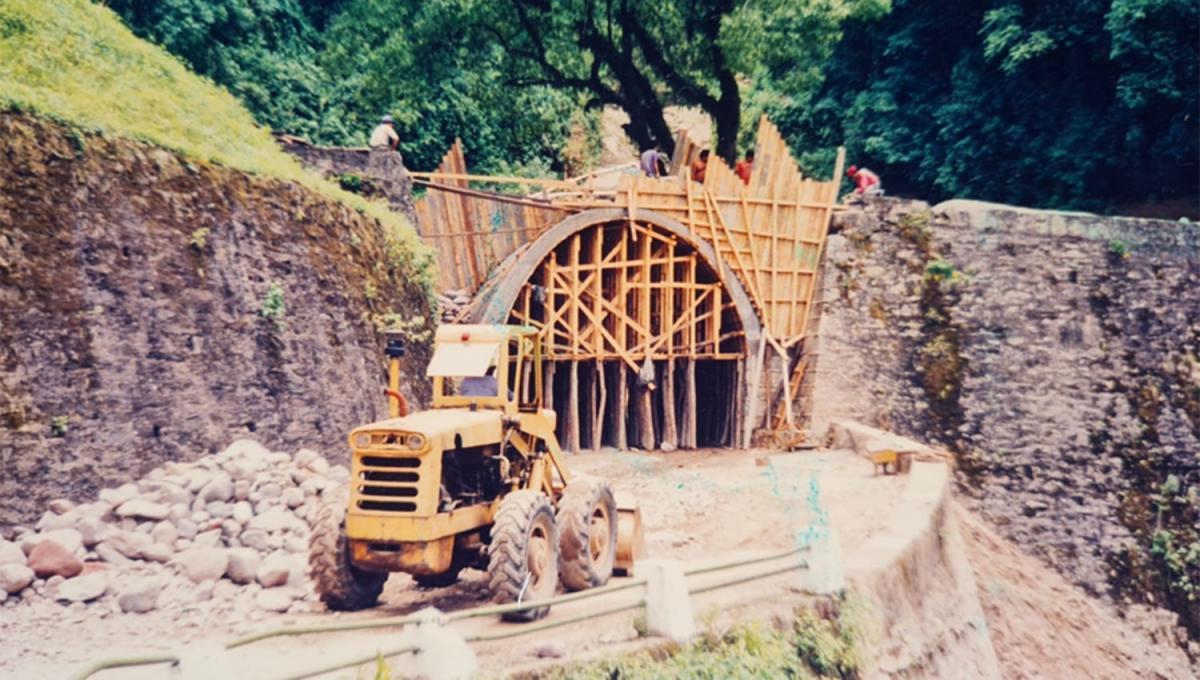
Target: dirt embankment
(154,308)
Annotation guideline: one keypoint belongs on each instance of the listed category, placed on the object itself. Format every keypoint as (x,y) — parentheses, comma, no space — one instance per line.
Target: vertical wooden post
(601,402)
(670,437)
(548,392)
(645,416)
(573,412)
(622,412)
(689,404)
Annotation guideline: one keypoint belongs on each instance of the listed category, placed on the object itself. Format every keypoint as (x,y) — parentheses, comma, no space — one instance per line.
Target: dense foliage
(1089,104)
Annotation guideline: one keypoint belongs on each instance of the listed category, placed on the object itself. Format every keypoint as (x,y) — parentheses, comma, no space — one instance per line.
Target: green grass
(816,647)
(75,62)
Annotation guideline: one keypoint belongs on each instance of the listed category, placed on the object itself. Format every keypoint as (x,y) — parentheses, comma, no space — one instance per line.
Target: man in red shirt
(744,166)
(866,182)
(700,167)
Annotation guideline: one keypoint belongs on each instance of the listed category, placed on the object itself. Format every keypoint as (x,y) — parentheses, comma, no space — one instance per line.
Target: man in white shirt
(384,135)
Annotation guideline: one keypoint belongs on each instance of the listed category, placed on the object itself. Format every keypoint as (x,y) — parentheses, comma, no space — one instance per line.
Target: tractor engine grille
(388,484)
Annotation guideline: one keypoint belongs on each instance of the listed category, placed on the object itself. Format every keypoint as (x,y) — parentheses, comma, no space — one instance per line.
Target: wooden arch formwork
(637,316)
(619,290)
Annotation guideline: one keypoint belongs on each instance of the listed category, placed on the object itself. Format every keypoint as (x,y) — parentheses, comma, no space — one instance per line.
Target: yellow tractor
(477,481)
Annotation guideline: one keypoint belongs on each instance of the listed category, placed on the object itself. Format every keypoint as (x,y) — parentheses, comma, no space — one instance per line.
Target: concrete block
(826,573)
(668,604)
(204,660)
(443,653)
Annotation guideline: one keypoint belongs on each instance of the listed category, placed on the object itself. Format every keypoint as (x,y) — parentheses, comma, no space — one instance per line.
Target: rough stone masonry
(1056,354)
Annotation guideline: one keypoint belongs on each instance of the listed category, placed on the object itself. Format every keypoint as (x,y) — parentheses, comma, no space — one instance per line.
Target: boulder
(92,531)
(50,558)
(209,539)
(110,554)
(54,520)
(15,577)
(186,528)
(293,497)
(274,571)
(274,600)
(143,508)
(203,564)
(83,588)
(61,505)
(140,596)
(338,473)
(270,490)
(243,565)
(246,449)
(70,539)
(219,509)
(254,538)
(158,552)
(295,544)
(164,532)
(305,456)
(204,591)
(219,488)
(129,543)
(119,495)
(242,512)
(241,489)
(274,519)
(11,553)
(319,466)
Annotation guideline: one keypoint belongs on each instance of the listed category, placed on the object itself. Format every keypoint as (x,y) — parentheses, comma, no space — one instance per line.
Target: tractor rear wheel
(340,584)
(587,524)
(523,554)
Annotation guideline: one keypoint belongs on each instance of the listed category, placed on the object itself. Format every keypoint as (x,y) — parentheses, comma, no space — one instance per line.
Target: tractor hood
(440,426)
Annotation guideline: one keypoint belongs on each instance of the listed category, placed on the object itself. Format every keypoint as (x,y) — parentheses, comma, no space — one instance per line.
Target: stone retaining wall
(1054,353)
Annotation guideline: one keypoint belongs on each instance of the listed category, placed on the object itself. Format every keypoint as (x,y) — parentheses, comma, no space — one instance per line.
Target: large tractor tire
(523,554)
(587,525)
(340,584)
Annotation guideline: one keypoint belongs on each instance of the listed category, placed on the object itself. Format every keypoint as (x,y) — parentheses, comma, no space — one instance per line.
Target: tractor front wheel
(340,585)
(587,523)
(523,554)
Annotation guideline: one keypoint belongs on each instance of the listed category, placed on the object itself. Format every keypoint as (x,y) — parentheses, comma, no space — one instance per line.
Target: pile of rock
(232,525)
(452,304)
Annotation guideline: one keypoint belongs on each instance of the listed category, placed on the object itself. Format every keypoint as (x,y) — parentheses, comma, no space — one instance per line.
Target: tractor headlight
(415,442)
(362,440)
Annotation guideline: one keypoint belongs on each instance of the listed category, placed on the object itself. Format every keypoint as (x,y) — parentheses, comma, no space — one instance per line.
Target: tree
(640,56)
(1083,105)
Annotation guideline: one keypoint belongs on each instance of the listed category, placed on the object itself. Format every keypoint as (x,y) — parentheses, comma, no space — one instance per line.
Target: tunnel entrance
(644,341)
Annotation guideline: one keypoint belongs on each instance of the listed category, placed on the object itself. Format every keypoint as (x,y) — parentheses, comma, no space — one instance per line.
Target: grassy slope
(75,62)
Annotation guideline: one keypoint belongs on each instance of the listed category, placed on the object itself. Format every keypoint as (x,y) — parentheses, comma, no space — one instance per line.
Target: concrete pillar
(443,653)
(668,605)
(826,573)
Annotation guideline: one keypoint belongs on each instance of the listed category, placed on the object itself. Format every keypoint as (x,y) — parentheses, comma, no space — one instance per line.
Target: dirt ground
(1044,627)
(701,507)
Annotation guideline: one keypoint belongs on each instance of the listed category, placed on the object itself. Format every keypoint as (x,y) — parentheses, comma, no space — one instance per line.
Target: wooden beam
(601,402)
(670,435)
(574,413)
(621,415)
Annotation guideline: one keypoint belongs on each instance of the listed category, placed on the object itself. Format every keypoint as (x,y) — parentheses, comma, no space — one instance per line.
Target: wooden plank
(670,435)
(601,403)
(622,411)
(573,413)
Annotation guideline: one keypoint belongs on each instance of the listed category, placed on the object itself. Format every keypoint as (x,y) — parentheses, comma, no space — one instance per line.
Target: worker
(744,166)
(866,182)
(654,163)
(700,166)
(384,135)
